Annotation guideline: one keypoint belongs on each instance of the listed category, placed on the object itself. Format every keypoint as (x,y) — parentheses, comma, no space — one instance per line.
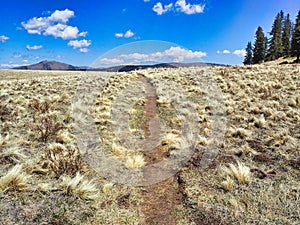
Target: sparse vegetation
(79,186)
(63,159)
(14,180)
(44,180)
(240,172)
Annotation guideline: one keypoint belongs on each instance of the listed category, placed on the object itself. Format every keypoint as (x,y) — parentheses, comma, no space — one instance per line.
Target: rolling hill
(54,65)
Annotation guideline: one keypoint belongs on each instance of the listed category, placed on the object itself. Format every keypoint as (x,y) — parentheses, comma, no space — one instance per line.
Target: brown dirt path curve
(160,200)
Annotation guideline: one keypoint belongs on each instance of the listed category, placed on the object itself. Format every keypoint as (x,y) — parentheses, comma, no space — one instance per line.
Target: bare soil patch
(160,200)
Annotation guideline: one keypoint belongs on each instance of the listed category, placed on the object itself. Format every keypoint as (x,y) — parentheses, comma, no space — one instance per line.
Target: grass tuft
(80,187)
(228,184)
(240,172)
(14,180)
(135,161)
(62,159)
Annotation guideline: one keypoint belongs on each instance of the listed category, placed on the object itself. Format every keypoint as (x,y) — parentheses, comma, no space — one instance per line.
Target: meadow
(225,140)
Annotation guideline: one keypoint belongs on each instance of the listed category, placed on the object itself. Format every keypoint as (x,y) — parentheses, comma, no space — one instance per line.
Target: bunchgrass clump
(240,172)
(80,187)
(14,180)
(135,161)
(63,159)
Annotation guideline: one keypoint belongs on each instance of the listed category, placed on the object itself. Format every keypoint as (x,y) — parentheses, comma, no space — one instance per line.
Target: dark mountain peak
(48,65)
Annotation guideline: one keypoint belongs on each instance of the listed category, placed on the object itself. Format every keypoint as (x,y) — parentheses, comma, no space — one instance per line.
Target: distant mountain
(126,68)
(54,65)
(48,65)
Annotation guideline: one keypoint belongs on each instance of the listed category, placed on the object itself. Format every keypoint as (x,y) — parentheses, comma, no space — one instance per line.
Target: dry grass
(262,110)
(63,159)
(14,180)
(228,184)
(240,172)
(80,187)
(135,161)
(13,154)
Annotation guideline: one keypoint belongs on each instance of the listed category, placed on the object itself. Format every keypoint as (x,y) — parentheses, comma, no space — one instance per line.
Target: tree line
(284,41)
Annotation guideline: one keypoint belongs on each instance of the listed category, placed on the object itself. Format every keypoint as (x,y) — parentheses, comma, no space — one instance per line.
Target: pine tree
(266,45)
(259,46)
(275,46)
(296,39)
(286,36)
(249,54)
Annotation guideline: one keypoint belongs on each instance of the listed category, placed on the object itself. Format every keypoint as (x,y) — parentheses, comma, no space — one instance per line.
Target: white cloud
(127,34)
(61,15)
(119,35)
(83,34)
(188,8)
(81,44)
(63,31)
(36,25)
(17,55)
(84,50)
(180,6)
(240,53)
(160,9)
(34,47)
(172,54)
(11,65)
(54,25)
(3,38)
(108,61)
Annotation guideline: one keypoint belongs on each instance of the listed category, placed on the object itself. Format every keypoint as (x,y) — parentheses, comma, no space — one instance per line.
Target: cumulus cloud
(34,47)
(127,34)
(3,38)
(54,25)
(179,6)
(63,31)
(240,53)
(81,44)
(61,15)
(160,9)
(172,54)
(188,8)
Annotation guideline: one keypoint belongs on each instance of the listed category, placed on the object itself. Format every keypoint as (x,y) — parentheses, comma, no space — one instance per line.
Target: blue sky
(80,31)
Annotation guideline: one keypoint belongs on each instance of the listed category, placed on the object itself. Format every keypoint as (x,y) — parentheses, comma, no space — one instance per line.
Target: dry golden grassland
(253,179)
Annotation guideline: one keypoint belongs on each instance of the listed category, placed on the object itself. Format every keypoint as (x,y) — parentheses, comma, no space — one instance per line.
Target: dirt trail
(160,200)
